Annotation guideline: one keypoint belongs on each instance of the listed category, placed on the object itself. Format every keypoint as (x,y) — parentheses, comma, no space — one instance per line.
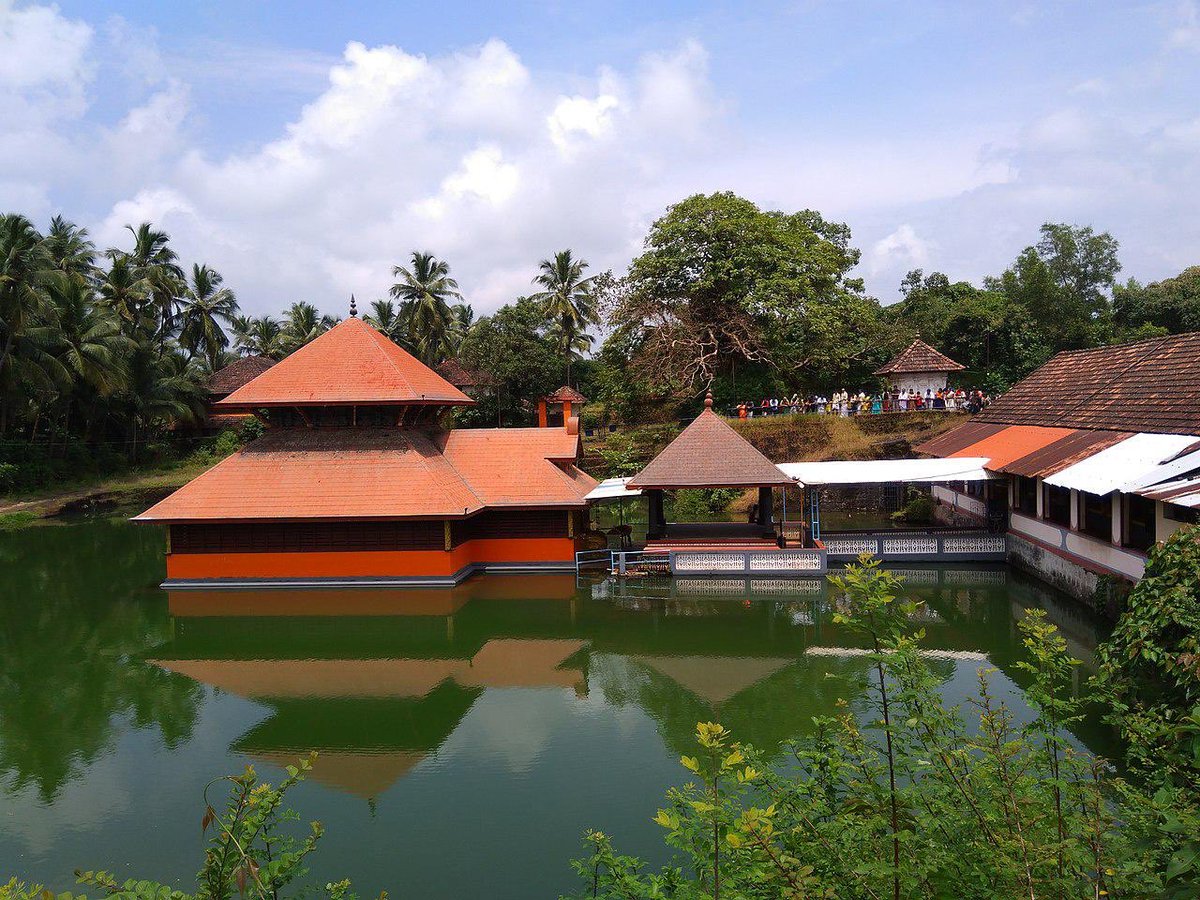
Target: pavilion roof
(237,373)
(566,394)
(919,357)
(709,454)
(361,474)
(350,364)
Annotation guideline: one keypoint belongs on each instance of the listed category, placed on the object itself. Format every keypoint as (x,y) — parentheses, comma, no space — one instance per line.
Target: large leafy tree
(1064,282)
(1172,304)
(207,304)
(512,347)
(569,304)
(427,292)
(723,284)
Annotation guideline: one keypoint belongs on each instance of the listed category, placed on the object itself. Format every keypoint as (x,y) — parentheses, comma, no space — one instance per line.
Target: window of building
(1139,522)
(1095,516)
(1027,495)
(1181,514)
(1056,505)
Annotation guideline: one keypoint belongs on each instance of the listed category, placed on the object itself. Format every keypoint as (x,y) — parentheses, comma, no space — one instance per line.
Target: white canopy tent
(612,489)
(880,471)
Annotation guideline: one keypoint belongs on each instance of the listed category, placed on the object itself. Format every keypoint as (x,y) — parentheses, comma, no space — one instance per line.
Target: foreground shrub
(906,797)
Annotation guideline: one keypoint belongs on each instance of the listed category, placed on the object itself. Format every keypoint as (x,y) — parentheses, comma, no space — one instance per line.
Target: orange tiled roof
(381,473)
(709,454)
(919,357)
(1010,444)
(513,466)
(351,364)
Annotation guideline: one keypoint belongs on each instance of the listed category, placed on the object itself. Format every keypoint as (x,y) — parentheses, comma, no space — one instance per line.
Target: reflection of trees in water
(767,712)
(77,605)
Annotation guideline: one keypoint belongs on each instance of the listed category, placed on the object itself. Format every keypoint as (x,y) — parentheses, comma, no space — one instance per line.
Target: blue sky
(304,148)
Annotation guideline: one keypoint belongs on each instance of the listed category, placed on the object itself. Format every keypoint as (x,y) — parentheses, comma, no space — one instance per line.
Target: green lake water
(467,737)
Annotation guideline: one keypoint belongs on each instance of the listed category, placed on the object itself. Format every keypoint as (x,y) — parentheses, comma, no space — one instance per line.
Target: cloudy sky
(303,148)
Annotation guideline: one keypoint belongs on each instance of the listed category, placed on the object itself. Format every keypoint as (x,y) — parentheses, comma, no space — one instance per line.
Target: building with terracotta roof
(357,481)
(919,367)
(566,397)
(224,382)
(1101,453)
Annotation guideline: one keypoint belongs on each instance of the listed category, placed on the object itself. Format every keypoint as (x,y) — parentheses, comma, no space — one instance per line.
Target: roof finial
(353,308)
(708,400)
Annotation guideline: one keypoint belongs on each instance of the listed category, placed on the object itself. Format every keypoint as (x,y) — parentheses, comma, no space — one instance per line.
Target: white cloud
(41,48)
(580,116)
(1186,33)
(903,249)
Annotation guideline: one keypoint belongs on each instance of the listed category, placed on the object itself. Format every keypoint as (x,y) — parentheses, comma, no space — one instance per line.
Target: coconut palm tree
(427,291)
(568,303)
(206,304)
(385,318)
(261,336)
(89,341)
(302,323)
(24,305)
(70,248)
(126,293)
(154,262)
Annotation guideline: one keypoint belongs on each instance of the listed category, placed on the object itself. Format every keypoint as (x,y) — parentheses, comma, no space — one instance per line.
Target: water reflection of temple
(377,680)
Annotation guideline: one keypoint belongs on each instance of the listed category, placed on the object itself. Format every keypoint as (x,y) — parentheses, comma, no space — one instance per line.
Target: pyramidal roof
(919,357)
(709,454)
(350,364)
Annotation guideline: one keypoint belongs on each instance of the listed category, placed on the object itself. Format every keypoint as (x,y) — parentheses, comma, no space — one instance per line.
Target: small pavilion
(566,397)
(710,454)
(919,367)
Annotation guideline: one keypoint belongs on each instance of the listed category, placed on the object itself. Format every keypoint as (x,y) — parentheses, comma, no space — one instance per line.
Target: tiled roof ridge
(437,472)
(938,361)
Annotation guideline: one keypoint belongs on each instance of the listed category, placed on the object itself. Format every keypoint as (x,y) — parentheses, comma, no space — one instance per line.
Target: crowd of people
(844,403)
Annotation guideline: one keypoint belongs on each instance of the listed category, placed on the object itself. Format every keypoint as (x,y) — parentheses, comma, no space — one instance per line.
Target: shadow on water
(482,728)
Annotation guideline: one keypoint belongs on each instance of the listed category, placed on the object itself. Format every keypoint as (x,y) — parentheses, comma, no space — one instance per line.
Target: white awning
(1184,492)
(1168,471)
(612,489)
(878,471)
(1118,465)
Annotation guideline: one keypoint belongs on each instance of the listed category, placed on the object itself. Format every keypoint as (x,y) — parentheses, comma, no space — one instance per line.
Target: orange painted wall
(368,563)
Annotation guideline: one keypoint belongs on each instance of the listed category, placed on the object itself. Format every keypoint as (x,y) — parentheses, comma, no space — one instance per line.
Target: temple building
(919,367)
(357,481)
(1099,457)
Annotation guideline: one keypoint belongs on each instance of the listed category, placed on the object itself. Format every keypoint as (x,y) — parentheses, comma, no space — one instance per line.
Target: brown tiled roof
(1066,451)
(350,364)
(953,441)
(709,454)
(237,373)
(1151,385)
(566,394)
(462,377)
(919,357)
(382,473)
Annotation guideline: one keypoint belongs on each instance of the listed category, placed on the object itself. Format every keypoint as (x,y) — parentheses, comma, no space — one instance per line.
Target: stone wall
(1067,576)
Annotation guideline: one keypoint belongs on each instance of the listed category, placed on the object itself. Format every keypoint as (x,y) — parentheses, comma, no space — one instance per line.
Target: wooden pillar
(766,503)
(446,534)
(655,514)
(541,414)
(566,412)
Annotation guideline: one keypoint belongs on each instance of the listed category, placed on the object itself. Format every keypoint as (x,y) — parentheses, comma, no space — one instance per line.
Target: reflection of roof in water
(499,663)
(713,679)
(363,774)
